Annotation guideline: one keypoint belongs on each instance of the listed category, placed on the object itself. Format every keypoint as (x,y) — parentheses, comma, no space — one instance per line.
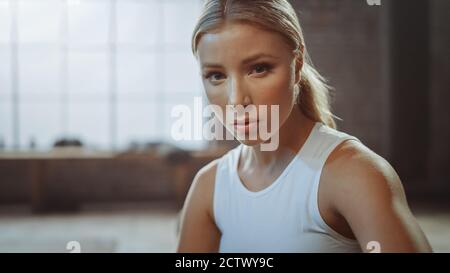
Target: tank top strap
(324,142)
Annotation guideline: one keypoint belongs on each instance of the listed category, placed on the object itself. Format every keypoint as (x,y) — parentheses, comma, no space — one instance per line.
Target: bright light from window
(106,72)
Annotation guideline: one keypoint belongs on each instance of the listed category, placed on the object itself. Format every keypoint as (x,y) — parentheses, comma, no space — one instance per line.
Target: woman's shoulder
(207,172)
(200,195)
(354,171)
(206,175)
(364,189)
(354,158)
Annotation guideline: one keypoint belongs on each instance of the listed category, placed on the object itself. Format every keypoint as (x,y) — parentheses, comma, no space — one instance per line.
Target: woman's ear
(298,64)
(298,67)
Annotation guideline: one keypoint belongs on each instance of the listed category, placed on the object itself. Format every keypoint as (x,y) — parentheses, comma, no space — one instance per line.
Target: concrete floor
(96,229)
(132,229)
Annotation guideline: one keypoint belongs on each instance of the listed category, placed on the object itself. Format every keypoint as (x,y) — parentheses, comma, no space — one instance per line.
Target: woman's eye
(261,68)
(214,76)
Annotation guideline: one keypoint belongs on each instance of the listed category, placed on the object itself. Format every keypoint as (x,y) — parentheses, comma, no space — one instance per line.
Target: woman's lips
(244,122)
(245,126)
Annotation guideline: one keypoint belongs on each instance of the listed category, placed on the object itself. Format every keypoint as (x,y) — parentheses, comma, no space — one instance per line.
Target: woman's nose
(238,93)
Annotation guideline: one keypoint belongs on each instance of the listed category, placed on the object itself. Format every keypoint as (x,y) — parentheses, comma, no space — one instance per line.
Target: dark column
(409,89)
(440,97)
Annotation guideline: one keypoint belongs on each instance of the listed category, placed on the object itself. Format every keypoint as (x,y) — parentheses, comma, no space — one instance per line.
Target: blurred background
(87,88)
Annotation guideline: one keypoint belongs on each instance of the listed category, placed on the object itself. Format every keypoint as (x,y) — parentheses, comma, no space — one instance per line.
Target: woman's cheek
(216,95)
(273,93)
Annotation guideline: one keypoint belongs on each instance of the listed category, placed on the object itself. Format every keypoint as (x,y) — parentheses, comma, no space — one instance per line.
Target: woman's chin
(249,142)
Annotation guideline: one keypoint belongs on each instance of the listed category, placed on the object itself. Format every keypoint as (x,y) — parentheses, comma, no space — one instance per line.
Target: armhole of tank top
(215,202)
(315,198)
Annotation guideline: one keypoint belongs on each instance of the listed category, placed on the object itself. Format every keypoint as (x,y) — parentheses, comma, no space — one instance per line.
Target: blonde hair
(278,16)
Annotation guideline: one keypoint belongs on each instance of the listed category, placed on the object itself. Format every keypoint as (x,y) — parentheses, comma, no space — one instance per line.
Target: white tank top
(283,217)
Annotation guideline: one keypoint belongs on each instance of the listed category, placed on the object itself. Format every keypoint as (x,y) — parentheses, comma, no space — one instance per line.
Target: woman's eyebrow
(256,57)
(245,61)
(211,65)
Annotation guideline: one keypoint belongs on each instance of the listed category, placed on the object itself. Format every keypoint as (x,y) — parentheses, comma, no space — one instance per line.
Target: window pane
(39,21)
(181,72)
(89,122)
(144,78)
(137,122)
(39,123)
(136,72)
(137,22)
(6,134)
(88,22)
(179,21)
(5,22)
(39,70)
(5,74)
(88,73)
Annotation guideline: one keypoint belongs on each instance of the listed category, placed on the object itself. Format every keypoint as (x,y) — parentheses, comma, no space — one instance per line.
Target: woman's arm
(198,232)
(368,193)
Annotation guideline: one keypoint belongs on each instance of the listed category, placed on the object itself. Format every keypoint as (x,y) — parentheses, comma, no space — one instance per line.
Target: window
(104,71)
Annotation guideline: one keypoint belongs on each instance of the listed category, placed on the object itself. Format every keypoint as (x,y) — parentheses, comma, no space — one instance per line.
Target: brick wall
(390,66)
(345,39)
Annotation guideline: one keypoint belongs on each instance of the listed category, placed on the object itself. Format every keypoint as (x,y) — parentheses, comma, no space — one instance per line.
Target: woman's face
(244,65)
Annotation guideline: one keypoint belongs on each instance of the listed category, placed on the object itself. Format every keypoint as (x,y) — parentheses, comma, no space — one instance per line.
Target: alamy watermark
(373,2)
(373,247)
(73,246)
(245,123)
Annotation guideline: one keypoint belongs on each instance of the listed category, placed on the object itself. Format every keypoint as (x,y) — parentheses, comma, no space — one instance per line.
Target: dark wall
(390,66)
(410,88)
(439,91)
(345,39)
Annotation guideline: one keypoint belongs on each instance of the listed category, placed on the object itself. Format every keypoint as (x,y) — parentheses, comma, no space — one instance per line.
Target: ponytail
(314,96)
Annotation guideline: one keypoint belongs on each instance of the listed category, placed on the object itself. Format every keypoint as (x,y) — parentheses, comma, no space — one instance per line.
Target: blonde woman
(321,190)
